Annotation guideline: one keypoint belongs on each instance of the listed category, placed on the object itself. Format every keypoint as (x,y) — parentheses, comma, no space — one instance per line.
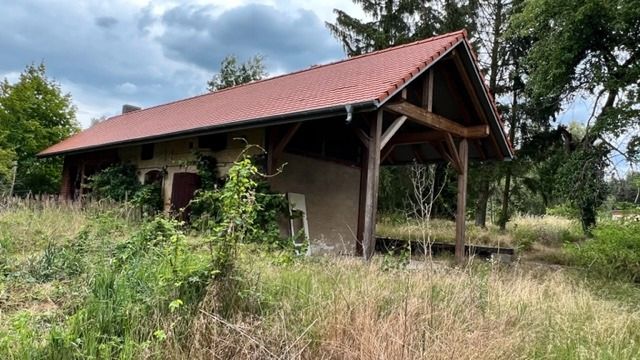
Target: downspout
(349,109)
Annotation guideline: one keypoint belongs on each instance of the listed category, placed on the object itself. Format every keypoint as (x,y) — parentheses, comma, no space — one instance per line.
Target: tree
(396,22)
(232,73)
(34,114)
(585,47)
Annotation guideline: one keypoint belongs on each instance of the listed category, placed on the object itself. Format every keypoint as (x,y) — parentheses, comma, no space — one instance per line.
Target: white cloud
(109,53)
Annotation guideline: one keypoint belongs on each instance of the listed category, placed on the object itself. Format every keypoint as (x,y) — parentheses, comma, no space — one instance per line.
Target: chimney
(126,108)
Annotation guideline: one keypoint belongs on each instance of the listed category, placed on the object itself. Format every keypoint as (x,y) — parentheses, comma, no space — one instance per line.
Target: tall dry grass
(522,231)
(344,309)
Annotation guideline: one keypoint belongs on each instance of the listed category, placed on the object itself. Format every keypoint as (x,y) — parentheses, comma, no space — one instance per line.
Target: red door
(184,186)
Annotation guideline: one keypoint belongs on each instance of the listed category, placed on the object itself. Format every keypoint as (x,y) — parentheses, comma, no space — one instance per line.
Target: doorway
(182,191)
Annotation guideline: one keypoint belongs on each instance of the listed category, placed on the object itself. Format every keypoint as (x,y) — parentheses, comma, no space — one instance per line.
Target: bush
(614,251)
(117,182)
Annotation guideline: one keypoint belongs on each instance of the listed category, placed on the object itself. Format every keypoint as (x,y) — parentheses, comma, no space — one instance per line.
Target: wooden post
(362,199)
(373,173)
(463,154)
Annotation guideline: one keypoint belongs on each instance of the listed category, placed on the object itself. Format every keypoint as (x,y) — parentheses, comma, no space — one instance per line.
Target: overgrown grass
(103,286)
(522,232)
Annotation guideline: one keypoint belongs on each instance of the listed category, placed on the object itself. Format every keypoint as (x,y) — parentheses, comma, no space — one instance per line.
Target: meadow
(98,282)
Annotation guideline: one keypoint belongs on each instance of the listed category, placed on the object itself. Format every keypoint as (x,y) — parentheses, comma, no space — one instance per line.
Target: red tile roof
(369,78)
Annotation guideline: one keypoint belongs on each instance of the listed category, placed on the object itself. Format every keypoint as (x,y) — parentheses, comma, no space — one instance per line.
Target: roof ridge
(414,43)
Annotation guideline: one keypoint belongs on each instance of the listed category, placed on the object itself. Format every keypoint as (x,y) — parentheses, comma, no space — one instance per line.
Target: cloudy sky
(146,52)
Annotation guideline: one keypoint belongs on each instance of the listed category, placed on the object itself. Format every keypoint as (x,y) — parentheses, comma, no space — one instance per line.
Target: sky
(148,52)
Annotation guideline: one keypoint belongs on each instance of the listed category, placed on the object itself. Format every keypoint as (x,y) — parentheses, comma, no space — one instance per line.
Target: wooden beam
(455,157)
(480,150)
(416,153)
(466,80)
(391,130)
(436,121)
(362,200)
(465,112)
(462,200)
(373,172)
(364,138)
(276,148)
(427,91)
(447,156)
(416,138)
(387,151)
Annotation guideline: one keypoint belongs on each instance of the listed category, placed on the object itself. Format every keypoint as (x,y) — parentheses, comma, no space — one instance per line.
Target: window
(147,152)
(152,177)
(213,142)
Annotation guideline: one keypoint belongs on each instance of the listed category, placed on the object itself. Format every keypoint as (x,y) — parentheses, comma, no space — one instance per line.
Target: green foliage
(154,273)
(613,252)
(149,198)
(397,22)
(233,74)
(564,210)
(582,183)
(239,211)
(118,182)
(34,114)
(207,167)
(58,262)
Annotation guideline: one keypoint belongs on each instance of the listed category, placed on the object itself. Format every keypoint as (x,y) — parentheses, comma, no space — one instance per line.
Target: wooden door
(182,191)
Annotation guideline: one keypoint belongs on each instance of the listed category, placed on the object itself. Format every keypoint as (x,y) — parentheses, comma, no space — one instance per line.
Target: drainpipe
(349,109)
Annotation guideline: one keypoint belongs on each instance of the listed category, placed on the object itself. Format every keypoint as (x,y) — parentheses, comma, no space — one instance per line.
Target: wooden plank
(373,173)
(391,130)
(462,200)
(437,122)
(390,245)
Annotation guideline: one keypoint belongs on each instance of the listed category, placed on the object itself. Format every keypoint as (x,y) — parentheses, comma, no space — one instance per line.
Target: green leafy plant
(118,182)
(614,251)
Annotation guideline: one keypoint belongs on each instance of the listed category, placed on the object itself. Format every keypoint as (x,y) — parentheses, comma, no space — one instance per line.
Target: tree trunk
(481,204)
(504,214)
(483,195)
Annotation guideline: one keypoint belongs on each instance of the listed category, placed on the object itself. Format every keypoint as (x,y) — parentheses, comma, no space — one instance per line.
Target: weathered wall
(178,156)
(331,193)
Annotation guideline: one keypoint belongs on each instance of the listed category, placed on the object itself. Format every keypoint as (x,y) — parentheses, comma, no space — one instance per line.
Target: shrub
(117,182)
(614,251)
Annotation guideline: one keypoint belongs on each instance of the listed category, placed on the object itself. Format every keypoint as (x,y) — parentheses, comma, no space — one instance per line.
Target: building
(333,125)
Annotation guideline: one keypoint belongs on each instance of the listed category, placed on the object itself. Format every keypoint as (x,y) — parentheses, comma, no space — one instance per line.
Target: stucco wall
(331,194)
(178,156)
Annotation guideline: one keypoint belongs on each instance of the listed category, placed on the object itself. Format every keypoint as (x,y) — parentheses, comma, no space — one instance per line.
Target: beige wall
(178,156)
(331,193)
(331,190)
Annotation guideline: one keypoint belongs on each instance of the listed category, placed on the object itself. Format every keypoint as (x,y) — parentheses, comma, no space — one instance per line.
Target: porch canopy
(425,101)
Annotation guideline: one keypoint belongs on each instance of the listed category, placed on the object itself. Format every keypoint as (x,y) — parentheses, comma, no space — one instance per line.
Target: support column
(371,191)
(463,154)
